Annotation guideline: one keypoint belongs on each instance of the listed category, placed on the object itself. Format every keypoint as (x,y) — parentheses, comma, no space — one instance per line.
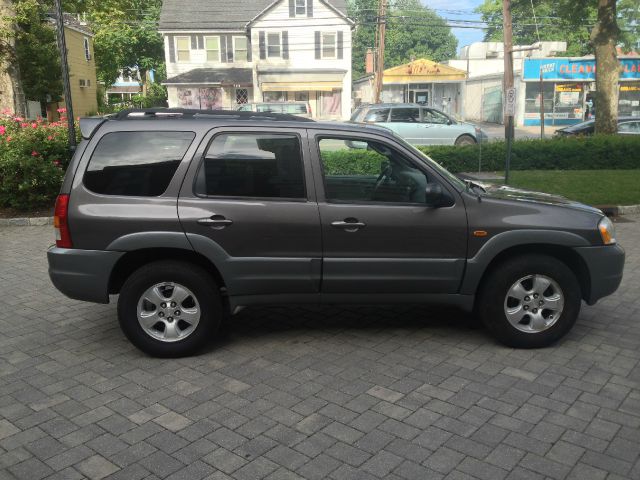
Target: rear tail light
(61,222)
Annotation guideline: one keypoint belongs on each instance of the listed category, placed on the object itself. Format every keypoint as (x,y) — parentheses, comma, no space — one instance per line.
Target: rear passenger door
(405,121)
(248,204)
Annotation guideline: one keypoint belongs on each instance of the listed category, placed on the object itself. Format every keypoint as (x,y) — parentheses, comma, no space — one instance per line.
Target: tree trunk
(604,37)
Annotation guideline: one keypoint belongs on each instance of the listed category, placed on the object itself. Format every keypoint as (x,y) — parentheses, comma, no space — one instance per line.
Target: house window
(301,7)
(87,49)
(273,45)
(242,96)
(182,47)
(329,45)
(83,83)
(212,46)
(240,49)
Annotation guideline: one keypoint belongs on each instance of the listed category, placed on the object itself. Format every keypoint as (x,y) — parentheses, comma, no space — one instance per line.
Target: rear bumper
(82,274)
(605,265)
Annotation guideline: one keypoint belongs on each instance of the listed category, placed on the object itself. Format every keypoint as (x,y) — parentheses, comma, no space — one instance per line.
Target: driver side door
(379,235)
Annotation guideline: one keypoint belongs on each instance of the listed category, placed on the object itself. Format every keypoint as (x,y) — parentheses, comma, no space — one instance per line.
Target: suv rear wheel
(169,308)
(530,301)
(465,140)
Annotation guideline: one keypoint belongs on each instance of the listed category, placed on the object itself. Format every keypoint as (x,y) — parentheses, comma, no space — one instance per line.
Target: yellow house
(420,81)
(82,67)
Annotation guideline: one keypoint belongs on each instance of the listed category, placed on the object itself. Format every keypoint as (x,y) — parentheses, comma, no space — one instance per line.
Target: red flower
(34,125)
(24,125)
(2,130)
(61,110)
(56,163)
(34,154)
(50,137)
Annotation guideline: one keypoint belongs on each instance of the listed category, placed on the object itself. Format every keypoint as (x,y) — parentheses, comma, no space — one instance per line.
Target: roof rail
(136,113)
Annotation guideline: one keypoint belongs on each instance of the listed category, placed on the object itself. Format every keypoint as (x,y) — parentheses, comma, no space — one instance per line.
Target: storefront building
(568,88)
(421,81)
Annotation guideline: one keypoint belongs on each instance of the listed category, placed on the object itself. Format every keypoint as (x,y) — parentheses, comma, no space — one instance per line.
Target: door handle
(349,224)
(217,222)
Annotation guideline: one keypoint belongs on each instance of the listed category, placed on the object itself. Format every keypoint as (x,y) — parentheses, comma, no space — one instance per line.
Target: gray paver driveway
(312,393)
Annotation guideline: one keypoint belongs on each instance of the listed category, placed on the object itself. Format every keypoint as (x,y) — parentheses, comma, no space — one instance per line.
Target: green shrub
(613,152)
(33,158)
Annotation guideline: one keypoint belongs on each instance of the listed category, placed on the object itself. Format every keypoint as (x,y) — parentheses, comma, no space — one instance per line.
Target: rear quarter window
(136,163)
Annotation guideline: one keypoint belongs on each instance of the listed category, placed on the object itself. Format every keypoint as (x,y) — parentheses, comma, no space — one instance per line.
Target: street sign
(510,104)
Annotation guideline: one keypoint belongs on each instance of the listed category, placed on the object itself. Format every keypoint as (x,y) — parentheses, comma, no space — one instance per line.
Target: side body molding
(477,265)
(141,240)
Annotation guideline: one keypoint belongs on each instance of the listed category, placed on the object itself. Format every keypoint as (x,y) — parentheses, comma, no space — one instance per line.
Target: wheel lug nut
(526,307)
(173,304)
(163,305)
(161,314)
(526,299)
(541,303)
(176,313)
(170,319)
(535,310)
(535,295)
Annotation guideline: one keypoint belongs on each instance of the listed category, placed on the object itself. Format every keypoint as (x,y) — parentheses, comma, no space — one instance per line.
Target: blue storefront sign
(572,69)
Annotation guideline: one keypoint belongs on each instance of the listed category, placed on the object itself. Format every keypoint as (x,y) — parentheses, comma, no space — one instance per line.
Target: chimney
(368,62)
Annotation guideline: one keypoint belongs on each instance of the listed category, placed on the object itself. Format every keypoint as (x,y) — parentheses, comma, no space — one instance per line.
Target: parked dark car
(626,126)
(190,215)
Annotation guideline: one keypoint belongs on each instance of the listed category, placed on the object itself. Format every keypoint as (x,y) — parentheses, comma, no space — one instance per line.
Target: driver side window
(357,170)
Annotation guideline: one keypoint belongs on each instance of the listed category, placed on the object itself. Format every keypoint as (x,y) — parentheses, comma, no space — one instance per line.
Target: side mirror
(433,194)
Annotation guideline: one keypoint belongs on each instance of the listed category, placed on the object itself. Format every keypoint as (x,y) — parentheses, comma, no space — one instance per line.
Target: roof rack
(137,113)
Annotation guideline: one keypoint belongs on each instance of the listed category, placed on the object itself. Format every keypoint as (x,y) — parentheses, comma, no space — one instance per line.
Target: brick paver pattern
(315,393)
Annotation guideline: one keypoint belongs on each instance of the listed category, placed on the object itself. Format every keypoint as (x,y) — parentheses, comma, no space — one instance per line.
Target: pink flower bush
(3,130)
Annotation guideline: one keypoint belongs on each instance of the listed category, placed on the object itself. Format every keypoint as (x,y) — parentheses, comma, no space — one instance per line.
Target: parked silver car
(420,125)
(300,109)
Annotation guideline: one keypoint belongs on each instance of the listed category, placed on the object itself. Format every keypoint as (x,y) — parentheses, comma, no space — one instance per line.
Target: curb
(26,222)
(613,210)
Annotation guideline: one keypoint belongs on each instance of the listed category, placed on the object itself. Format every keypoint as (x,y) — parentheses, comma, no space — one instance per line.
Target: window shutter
(263,46)
(194,42)
(285,45)
(249,48)
(229,48)
(292,8)
(309,8)
(172,49)
(200,42)
(317,45)
(223,48)
(340,46)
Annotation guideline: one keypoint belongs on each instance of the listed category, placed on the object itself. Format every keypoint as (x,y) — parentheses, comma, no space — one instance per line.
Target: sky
(459,9)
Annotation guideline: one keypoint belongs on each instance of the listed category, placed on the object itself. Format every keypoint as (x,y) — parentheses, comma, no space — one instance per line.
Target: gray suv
(191,215)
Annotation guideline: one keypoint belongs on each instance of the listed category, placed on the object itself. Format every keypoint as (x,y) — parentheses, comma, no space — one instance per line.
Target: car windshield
(436,166)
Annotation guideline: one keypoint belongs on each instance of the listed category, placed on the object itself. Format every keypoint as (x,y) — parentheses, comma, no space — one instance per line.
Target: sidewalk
(495,131)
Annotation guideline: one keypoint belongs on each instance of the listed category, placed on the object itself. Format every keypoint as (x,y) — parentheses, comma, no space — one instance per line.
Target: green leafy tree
(412,31)
(126,35)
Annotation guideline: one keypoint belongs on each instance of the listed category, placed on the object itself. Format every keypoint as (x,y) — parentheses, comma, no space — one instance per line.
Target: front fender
(477,266)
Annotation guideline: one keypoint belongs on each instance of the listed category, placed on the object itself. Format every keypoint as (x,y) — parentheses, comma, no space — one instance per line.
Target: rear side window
(296,108)
(252,165)
(377,115)
(408,115)
(137,164)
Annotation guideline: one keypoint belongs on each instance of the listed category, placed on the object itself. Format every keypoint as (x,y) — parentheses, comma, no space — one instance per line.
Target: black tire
(194,278)
(492,294)
(465,140)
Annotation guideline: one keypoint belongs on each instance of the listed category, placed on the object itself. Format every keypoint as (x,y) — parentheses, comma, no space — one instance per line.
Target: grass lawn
(593,187)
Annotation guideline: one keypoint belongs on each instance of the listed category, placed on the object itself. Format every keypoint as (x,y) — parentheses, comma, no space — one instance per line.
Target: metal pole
(541,106)
(382,12)
(508,79)
(62,46)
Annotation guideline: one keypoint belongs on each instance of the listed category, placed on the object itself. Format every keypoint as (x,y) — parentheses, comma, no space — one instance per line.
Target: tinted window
(296,108)
(252,165)
(365,171)
(377,115)
(358,115)
(136,163)
(629,127)
(433,116)
(410,115)
(269,108)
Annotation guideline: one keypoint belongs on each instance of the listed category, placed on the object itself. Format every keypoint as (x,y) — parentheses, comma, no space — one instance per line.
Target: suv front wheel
(169,308)
(529,301)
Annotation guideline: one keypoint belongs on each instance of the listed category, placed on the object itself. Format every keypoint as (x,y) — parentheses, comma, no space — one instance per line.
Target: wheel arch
(462,135)
(134,259)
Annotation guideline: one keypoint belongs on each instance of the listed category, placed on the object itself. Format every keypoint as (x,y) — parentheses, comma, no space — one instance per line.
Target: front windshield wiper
(472,184)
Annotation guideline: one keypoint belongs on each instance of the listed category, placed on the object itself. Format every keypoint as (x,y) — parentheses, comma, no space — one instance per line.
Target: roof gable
(222,14)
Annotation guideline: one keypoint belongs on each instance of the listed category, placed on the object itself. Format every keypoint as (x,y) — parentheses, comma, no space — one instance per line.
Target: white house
(228,52)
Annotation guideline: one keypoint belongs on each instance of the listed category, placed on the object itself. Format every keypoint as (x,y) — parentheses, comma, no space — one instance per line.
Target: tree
(605,36)
(413,31)
(36,51)
(126,35)
(557,21)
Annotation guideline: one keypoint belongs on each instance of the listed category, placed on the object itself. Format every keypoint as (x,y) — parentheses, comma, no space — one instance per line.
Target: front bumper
(605,264)
(82,274)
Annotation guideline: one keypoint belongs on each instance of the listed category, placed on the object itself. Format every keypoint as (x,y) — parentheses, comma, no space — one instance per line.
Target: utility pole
(509,110)
(62,46)
(380,36)
(541,105)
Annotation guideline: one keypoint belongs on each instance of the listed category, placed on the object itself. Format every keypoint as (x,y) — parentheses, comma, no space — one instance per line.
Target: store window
(302,96)
(242,96)
(629,99)
(274,96)
(563,102)
(331,103)
(201,98)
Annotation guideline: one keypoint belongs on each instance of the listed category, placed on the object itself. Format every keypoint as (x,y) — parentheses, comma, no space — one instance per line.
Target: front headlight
(607,231)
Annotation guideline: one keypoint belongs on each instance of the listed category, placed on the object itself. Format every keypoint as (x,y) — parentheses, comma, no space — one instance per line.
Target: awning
(299,87)
(211,76)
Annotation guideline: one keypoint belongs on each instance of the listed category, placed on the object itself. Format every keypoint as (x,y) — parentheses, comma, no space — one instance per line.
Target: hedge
(615,152)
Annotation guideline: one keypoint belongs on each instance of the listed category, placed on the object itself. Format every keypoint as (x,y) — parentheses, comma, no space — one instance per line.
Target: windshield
(432,163)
